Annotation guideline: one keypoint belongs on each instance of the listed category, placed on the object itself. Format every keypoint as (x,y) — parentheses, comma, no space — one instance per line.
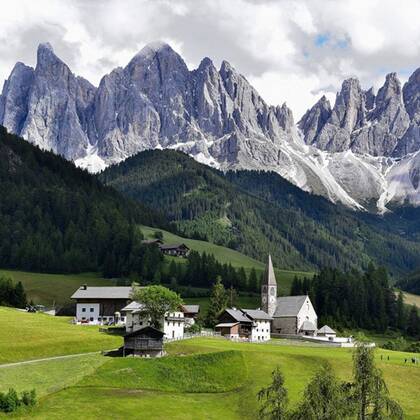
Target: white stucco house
(173,323)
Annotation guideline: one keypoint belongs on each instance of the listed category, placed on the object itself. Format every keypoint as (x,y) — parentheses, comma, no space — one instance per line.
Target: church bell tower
(269,289)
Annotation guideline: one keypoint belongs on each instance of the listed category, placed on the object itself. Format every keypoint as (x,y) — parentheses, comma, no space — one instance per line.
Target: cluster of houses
(289,316)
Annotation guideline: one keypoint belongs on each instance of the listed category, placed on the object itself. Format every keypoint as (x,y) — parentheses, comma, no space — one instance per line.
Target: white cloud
(273,43)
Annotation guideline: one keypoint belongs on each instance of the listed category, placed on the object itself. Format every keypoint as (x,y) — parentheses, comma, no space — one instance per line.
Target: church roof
(289,306)
(269,276)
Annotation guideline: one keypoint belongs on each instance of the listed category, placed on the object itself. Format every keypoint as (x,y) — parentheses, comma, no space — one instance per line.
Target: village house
(176,250)
(144,342)
(244,324)
(326,331)
(292,315)
(191,313)
(101,305)
(173,323)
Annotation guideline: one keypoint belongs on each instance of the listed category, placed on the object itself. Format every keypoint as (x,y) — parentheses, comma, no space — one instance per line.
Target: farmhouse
(177,250)
(245,324)
(293,315)
(173,323)
(191,313)
(144,342)
(100,305)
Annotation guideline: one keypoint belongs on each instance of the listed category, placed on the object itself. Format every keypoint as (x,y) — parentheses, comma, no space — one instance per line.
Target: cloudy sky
(291,51)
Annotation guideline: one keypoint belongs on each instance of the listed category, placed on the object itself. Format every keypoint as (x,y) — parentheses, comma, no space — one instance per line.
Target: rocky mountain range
(363,152)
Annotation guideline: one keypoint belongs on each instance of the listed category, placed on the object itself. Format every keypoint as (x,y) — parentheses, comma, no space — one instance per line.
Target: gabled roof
(307,326)
(132,307)
(191,309)
(326,330)
(116,292)
(146,330)
(237,315)
(289,305)
(269,276)
(173,246)
(257,314)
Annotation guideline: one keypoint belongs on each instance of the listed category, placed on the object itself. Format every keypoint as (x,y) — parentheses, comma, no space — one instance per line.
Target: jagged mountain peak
(219,118)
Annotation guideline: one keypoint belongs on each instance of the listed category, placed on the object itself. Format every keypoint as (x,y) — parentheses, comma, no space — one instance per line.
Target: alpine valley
(363,151)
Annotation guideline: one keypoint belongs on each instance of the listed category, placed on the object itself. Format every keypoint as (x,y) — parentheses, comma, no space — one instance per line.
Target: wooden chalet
(145,342)
(175,250)
(233,323)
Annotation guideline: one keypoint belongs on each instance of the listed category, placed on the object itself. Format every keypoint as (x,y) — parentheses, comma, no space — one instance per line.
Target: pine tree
(218,303)
(400,312)
(413,327)
(274,398)
(371,394)
(253,281)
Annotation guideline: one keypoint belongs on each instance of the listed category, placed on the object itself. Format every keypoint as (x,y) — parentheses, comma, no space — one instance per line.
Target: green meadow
(201,378)
(47,289)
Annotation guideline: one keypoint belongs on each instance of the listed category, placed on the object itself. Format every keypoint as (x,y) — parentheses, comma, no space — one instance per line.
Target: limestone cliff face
(345,152)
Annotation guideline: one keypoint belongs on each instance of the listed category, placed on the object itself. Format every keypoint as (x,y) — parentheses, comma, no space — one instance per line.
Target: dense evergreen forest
(260,212)
(57,218)
(12,294)
(411,282)
(358,300)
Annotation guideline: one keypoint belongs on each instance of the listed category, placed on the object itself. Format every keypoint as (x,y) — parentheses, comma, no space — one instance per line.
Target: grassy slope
(412,299)
(227,255)
(154,388)
(49,288)
(27,336)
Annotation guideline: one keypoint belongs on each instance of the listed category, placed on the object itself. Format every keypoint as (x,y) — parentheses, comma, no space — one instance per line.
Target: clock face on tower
(264,299)
(272,291)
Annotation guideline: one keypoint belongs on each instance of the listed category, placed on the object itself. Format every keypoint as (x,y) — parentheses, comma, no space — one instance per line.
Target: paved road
(68,356)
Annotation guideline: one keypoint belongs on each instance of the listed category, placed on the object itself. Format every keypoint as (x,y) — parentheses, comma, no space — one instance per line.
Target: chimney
(83,287)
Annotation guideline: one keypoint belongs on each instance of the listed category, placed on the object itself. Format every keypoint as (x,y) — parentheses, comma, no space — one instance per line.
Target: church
(292,315)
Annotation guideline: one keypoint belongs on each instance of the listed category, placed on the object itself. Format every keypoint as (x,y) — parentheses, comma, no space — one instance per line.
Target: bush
(10,401)
(194,328)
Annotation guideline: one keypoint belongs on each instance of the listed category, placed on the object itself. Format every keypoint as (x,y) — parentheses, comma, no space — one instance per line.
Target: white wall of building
(88,312)
(260,331)
(174,325)
(307,313)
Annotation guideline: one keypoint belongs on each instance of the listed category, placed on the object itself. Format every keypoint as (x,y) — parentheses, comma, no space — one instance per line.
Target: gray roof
(132,307)
(117,292)
(289,305)
(326,330)
(257,314)
(192,309)
(269,276)
(173,246)
(238,315)
(308,326)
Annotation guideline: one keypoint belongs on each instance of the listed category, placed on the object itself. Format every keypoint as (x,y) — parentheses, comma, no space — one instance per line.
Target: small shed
(307,328)
(145,342)
(326,331)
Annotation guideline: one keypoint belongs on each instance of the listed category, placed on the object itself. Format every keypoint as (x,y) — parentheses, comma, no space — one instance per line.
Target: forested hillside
(55,217)
(258,213)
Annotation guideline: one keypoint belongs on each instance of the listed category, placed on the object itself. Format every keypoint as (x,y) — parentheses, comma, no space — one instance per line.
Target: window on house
(83,318)
(91,319)
(104,318)
(99,318)
(92,309)
(83,309)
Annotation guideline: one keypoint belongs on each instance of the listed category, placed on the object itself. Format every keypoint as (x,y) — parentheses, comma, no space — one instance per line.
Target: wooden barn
(146,342)
(177,250)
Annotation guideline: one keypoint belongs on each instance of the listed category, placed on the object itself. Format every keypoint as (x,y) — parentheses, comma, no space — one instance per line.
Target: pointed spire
(270,277)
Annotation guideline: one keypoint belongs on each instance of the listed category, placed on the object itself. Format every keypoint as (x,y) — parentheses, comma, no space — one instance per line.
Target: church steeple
(269,289)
